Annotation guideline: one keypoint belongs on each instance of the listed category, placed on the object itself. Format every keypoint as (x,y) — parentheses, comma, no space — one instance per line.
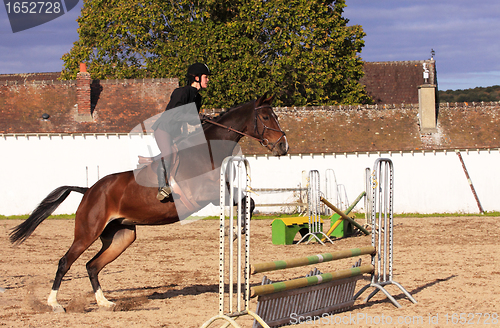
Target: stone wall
(372,128)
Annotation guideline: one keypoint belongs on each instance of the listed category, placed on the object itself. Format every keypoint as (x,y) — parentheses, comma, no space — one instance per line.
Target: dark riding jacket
(172,121)
(184,95)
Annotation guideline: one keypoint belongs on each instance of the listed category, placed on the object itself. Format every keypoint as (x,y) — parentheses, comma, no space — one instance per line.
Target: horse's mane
(221,114)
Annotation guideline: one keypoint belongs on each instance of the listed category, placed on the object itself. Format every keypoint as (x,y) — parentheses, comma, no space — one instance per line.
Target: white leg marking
(101,300)
(52,301)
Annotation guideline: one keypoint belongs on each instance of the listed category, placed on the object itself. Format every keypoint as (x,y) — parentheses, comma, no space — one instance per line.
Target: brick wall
(22,106)
(27,77)
(119,105)
(115,105)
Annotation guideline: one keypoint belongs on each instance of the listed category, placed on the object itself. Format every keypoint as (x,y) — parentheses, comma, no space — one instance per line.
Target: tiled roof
(119,105)
(397,82)
(387,128)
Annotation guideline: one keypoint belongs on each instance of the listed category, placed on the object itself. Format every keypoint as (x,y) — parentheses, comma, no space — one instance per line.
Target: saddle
(146,174)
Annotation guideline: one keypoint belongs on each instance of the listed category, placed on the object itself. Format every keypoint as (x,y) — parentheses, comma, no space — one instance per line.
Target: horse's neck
(237,119)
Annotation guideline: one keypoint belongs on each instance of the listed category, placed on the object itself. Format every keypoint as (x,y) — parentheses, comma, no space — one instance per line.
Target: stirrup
(164,192)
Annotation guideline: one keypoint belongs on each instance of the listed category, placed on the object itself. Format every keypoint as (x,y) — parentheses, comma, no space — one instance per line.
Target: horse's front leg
(243,201)
(243,207)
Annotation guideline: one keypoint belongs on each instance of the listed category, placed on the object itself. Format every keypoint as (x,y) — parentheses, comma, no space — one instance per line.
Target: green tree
(300,50)
(117,38)
(312,53)
(477,94)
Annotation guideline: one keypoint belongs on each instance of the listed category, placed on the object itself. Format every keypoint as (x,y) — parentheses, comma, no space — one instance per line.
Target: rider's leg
(164,142)
(164,189)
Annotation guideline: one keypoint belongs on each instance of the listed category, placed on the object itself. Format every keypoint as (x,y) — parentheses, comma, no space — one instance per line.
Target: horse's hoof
(105,304)
(58,309)
(108,307)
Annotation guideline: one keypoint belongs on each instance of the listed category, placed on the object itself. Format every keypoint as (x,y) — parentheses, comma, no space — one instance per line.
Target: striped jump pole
(382,182)
(313,295)
(235,181)
(302,261)
(310,281)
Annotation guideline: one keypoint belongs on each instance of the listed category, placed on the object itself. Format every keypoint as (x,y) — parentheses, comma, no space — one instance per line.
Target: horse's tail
(20,233)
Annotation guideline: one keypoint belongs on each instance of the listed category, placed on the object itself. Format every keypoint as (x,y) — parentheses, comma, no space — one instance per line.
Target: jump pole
(344,217)
(382,183)
(239,169)
(302,261)
(310,281)
(313,295)
(481,211)
(347,211)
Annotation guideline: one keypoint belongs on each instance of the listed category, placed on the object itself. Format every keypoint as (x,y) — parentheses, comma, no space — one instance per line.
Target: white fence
(425,182)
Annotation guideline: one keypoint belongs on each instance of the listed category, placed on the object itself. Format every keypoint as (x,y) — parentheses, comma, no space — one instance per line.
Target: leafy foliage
(300,50)
(470,95)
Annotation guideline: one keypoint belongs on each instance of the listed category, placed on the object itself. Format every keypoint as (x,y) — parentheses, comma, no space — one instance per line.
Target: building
(405,116)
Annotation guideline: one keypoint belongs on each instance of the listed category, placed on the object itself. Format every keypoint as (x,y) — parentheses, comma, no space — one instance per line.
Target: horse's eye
(265,118)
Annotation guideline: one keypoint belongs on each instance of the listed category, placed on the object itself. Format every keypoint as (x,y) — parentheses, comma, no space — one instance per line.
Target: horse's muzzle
(281,148)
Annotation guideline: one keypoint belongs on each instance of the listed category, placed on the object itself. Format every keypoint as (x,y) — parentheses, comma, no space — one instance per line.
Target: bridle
(264,142)
(261,139)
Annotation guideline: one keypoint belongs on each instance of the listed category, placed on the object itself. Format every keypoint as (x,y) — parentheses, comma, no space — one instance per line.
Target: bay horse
(113,207)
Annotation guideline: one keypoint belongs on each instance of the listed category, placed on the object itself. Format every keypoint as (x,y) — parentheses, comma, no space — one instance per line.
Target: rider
(165,130)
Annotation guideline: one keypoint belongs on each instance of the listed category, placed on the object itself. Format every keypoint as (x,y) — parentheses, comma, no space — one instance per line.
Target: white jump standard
(316,293)
(382,180)
(314,211)
(238,169)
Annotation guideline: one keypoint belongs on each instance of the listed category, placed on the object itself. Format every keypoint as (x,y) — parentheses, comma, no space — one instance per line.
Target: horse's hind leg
(115,239)
(77,248)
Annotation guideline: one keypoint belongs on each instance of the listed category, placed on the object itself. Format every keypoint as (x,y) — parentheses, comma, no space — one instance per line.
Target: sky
(464,37)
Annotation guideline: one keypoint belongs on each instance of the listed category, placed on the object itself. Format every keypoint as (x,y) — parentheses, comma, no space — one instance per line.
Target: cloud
(463,35)
(38,49)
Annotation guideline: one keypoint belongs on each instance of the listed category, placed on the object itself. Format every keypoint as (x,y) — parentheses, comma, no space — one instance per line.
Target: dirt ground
(169,276)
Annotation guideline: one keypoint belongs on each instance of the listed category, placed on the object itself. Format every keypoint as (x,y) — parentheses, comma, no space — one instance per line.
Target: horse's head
(267,127)
(254,119)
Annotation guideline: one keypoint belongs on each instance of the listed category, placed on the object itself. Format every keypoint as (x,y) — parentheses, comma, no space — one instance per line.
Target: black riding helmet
(197,70)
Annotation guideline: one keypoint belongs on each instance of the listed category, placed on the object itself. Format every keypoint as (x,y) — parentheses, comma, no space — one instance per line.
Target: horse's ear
(269,100)
(265,100)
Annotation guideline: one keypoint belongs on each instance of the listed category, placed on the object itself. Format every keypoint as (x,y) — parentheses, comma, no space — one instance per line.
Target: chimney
(83,82)
(427,108)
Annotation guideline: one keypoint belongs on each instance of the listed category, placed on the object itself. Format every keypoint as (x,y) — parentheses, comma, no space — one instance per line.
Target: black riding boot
(164,190)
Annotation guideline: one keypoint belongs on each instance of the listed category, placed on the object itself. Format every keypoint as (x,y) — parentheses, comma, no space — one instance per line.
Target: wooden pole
(339,221)
(310,281)
(345,217)
(302,261)
(470,182)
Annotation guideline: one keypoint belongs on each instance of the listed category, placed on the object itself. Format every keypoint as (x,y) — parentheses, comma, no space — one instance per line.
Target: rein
(263,141)
(234,130)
